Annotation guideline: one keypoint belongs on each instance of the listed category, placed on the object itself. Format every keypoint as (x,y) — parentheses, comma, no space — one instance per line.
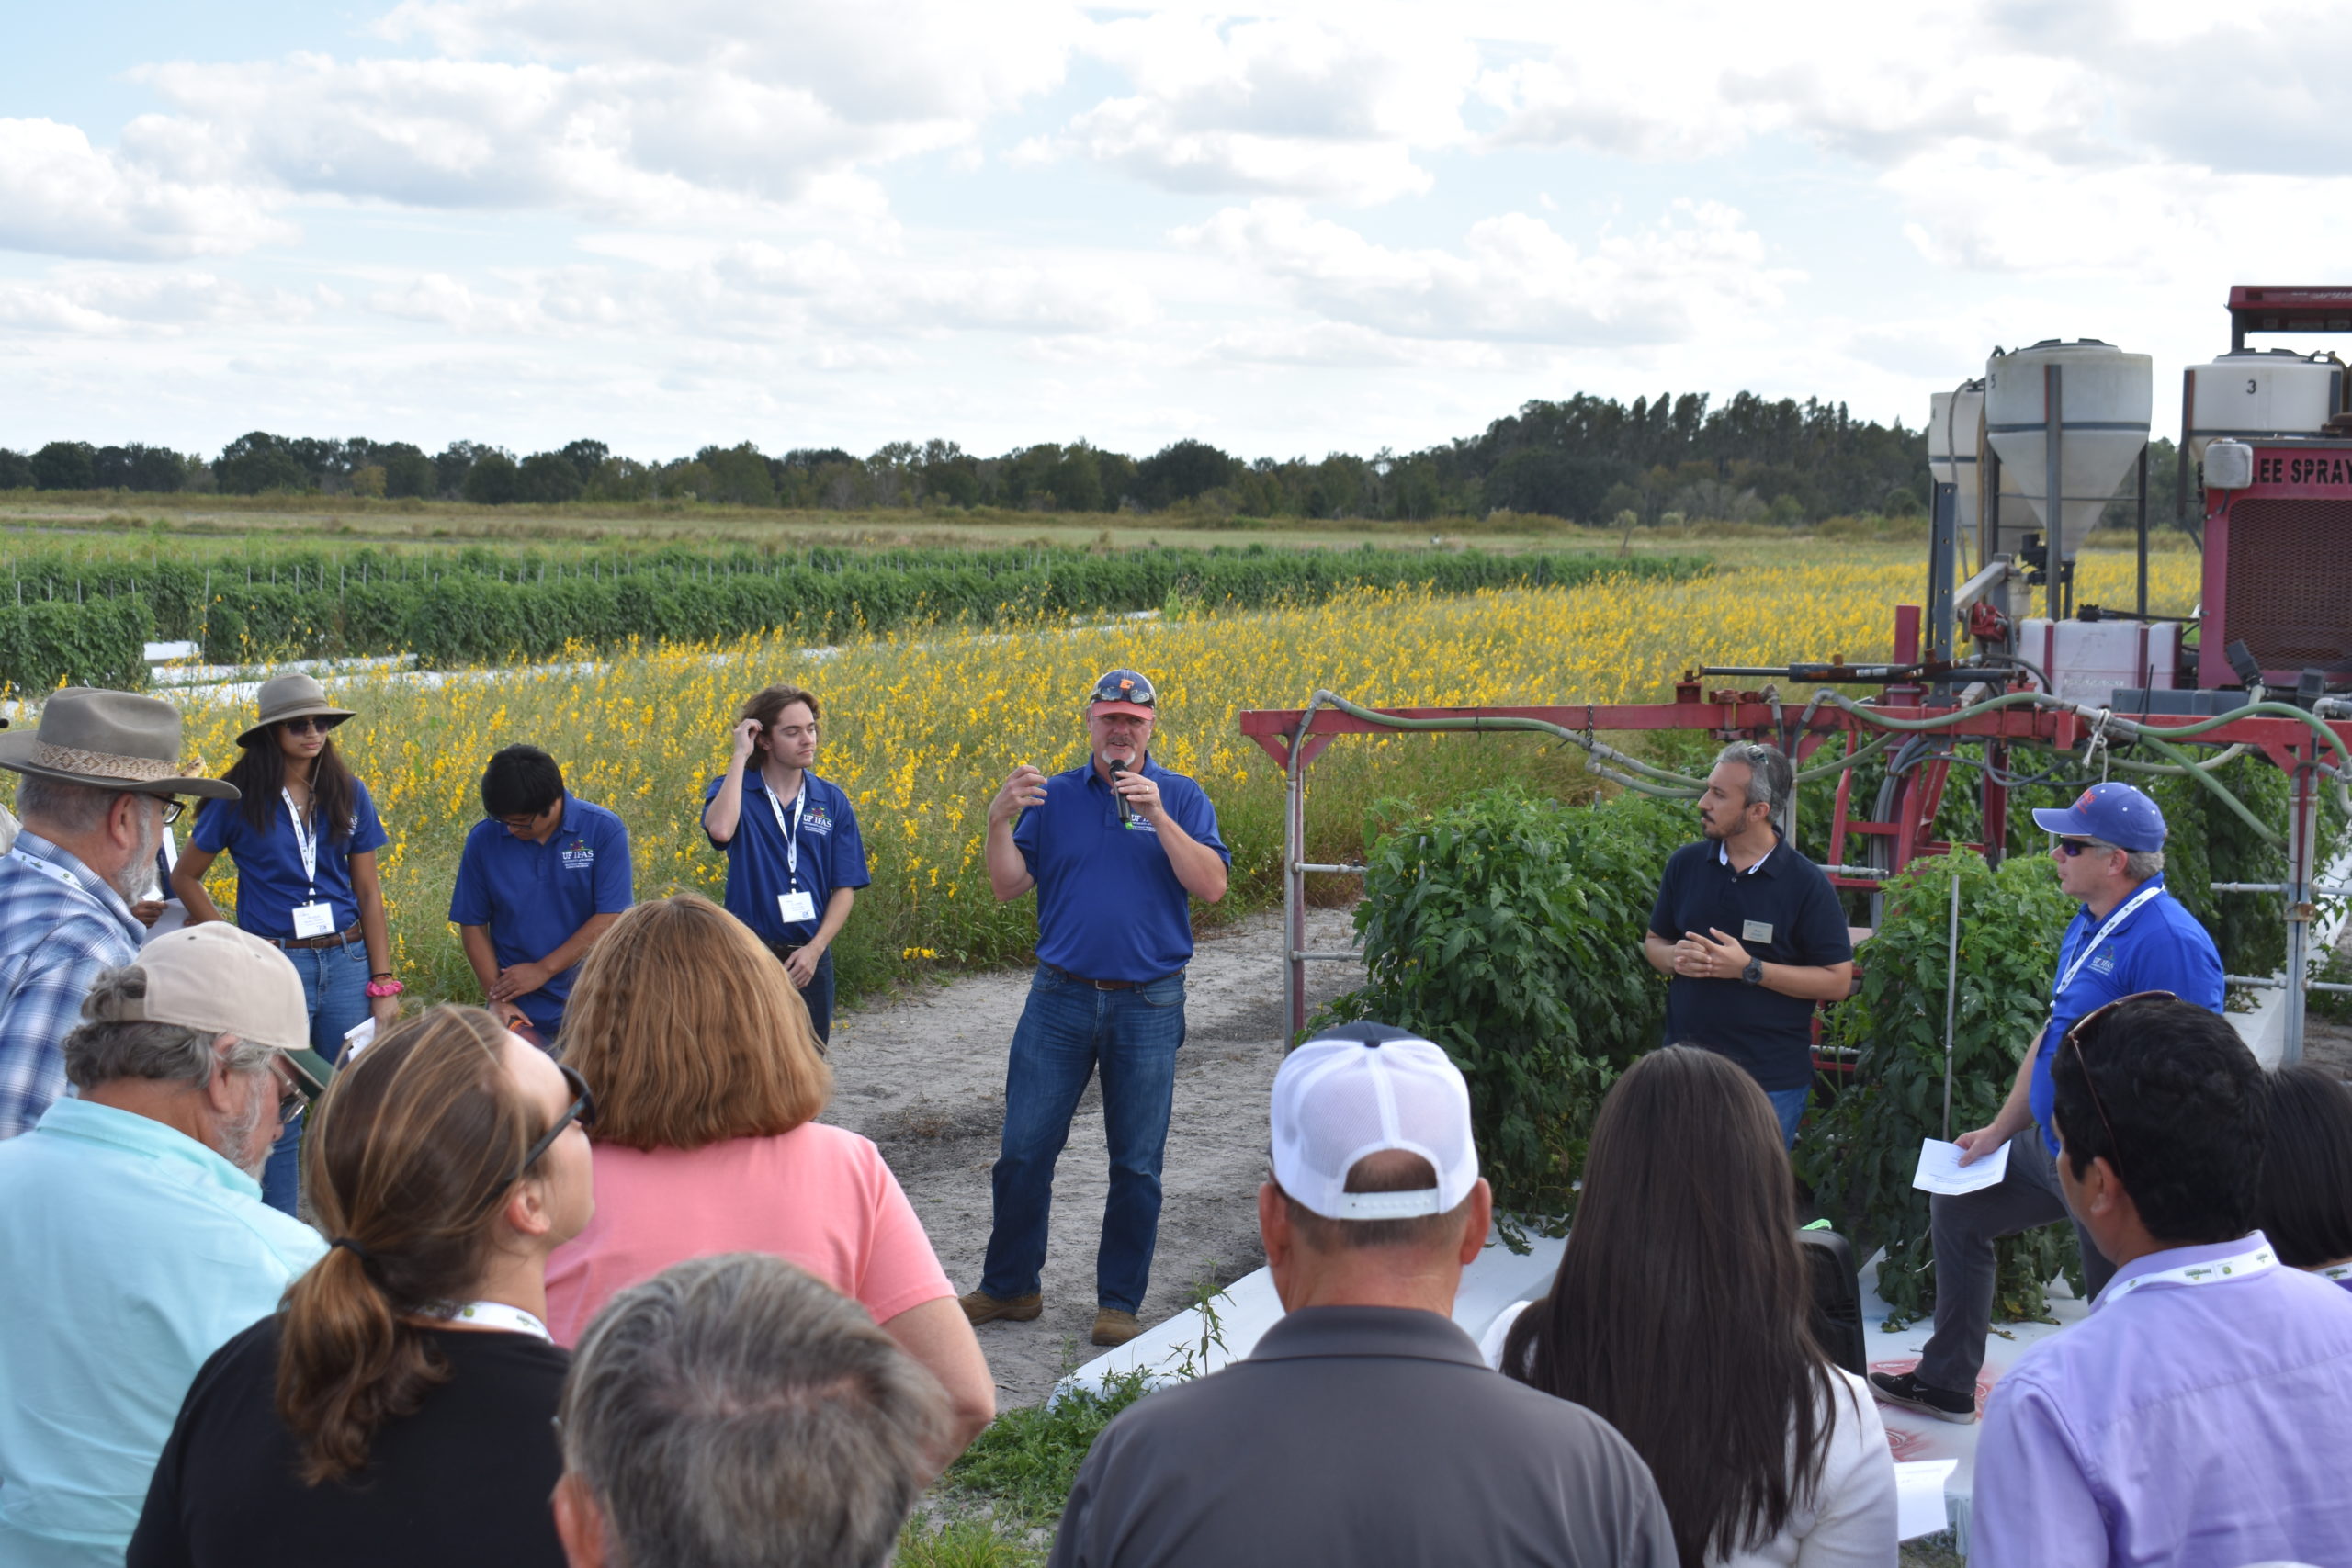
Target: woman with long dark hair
(2304,1207)
(304,835)
(1680,1316)
(397,1410)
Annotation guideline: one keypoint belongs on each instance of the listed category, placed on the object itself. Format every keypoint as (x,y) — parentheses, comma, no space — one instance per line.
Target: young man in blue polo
(2130,936)
(794,858)
(1116,848)
(540,878)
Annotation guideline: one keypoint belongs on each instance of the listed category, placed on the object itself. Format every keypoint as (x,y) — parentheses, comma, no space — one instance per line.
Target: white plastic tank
(1955,420)
(2105,398)
(2252,393)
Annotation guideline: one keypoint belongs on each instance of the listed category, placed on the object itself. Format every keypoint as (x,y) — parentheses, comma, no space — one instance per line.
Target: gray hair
(2138,865)
(69,807)
(733,1412)
(1769,778)
(103,1049)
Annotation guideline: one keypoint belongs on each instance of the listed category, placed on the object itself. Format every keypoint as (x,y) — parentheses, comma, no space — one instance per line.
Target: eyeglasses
(582,1110)
(521,824)
(2074,1042)
(291,1101)
(306,725)
(171,807)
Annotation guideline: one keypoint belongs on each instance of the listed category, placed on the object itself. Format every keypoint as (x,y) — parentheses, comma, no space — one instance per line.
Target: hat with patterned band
(108,741)
(291,697)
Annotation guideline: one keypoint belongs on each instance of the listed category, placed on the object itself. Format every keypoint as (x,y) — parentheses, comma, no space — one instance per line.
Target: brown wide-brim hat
(108,741)
(291,697)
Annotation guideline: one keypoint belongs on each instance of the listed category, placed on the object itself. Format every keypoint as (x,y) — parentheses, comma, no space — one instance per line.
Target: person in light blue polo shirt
(134,1240)
(537,881)
(1116,848)
(2130,936)
(794,858)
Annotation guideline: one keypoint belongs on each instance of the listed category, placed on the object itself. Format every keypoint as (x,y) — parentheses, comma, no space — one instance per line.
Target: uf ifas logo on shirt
(2102,963)
(578,856)
(817,820)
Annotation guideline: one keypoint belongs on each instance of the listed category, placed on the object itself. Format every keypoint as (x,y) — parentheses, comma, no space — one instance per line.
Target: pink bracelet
(385,987)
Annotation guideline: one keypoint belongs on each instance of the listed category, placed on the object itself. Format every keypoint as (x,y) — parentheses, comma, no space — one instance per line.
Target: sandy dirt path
(923,1076)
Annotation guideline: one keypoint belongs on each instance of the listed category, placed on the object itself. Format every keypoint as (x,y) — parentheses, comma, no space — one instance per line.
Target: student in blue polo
(538,883)
(1116,848)
(794,859)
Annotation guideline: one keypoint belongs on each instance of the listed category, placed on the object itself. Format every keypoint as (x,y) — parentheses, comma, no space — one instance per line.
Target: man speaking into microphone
(1115,848)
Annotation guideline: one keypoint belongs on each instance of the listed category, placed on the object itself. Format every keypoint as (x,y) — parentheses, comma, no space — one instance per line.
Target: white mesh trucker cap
(1361,1089)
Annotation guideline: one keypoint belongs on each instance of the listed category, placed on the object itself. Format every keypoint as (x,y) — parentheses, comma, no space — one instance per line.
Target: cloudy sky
(1286,231)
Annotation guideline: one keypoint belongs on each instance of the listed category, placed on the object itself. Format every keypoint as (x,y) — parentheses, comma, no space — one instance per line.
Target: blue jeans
(1066,1032)
(1788,1104)
(334,989)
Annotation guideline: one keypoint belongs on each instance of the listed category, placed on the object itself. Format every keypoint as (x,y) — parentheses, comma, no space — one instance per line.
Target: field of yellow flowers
(922,725)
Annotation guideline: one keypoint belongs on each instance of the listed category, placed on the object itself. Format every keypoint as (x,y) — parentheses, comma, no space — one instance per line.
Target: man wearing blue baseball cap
(2130,936)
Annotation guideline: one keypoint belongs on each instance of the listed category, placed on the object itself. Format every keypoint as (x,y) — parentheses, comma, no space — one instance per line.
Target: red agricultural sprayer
(2025,462)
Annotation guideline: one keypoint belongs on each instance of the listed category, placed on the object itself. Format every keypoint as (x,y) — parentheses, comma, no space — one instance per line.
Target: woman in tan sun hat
(304,835)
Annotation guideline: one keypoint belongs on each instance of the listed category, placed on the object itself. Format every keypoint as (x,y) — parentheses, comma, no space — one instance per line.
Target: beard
(131,880)
(236,1134)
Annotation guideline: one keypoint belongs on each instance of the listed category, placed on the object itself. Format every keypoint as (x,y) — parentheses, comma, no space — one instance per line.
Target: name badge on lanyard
(314,917)
(798,908)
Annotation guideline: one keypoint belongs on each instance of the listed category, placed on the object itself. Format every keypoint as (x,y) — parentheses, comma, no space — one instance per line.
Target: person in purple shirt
(2201,1417)
(2305,1204)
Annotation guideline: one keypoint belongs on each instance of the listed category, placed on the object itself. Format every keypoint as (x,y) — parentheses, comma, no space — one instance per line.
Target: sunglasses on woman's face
(307,725)
(2075,1042)
(582,1110)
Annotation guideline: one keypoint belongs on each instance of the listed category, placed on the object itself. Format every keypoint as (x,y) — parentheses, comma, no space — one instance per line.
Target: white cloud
(1515,278)
(110,302)
(61,194)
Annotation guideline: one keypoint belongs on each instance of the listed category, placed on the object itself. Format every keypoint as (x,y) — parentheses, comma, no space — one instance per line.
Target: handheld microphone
(1126,812)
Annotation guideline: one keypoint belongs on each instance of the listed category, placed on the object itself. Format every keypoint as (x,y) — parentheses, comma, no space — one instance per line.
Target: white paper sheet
(358,1038)
(1919,1496)
(1941,1170)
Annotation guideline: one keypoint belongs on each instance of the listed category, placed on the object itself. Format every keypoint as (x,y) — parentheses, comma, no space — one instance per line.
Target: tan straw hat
(108,741)
(291,697)
(218,978)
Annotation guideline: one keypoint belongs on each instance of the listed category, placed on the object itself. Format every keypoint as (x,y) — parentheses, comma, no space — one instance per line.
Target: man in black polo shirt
(1751,932)
(1363,1430)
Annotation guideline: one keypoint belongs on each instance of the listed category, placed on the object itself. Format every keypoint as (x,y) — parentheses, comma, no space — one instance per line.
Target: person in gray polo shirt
(1363,1429)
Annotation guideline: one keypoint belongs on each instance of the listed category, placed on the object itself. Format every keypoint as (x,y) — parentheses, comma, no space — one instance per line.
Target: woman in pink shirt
(707,1086)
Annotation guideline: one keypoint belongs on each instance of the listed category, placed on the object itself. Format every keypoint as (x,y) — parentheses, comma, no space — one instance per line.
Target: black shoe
(1905,1390)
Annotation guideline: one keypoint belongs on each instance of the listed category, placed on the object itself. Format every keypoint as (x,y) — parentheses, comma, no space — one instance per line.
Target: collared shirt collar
(40,848)
(112,1127)
(1366,1331)
(2175,1258)
(1723,856)
(2138,888)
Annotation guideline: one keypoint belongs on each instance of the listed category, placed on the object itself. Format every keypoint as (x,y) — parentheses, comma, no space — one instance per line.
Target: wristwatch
(1754,974)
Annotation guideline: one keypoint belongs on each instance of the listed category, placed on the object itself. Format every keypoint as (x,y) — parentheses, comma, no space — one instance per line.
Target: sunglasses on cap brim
(1123,689)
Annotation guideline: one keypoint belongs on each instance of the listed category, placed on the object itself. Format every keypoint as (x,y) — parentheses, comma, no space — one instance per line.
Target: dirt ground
(923,1076)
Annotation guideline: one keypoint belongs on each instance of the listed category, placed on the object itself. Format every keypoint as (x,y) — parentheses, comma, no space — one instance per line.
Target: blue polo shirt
(2160,946)
(270,880)
(832,853)
(1109,906)
(1782,910)
(533,896)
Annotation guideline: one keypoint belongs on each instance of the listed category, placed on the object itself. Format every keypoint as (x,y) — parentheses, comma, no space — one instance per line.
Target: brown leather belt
(1106,985)
(341,939)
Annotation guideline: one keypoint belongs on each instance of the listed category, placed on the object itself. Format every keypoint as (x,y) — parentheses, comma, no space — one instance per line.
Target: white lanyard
(498,1314)
(2339,1273)
(59,875)
(2104,932)
(792,833)
(2237,1266)
(306,841)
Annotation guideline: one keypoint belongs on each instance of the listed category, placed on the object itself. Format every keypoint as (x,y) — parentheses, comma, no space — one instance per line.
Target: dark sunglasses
(2070,847)
(2075,1042)
(291,1101)
(582,1110)
(306,725)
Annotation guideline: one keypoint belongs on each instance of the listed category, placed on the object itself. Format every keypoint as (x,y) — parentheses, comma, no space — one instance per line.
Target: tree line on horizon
(1586,460)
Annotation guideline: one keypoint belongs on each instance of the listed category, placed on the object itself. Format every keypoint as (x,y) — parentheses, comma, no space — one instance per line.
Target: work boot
(1112,1327)
(981,1307)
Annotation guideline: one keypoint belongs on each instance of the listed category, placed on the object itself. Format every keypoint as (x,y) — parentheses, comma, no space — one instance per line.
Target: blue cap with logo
(2114,813)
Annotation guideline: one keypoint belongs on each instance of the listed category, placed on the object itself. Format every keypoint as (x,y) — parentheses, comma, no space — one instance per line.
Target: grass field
(922,724)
